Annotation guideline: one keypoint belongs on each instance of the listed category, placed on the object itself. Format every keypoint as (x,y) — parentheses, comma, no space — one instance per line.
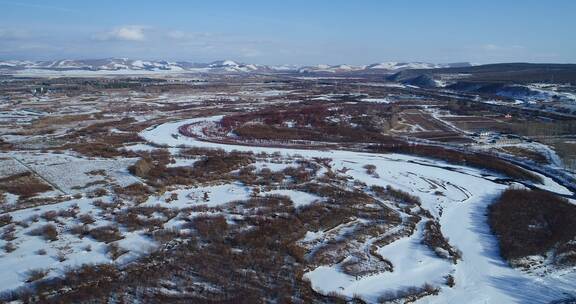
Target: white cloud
(125,33)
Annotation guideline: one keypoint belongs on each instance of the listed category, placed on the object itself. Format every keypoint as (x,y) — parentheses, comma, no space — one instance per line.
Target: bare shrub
(227,162)
(173,197)
(5,220)
(370,169)
(450,281)
(136,192)
(36,274)
(80,230)
(106,234)
(100,192)
(143,217)
(50,215)
(403,196)
(9,247)
(435,240)
(48,232)
(132,221)
(69,212)
(165,235)
(338,296)
(25,185)
(116,204)
(211,227)
(9,233)
(246,175)
(396,195)
(297,252)
(115,251)
(142,167)
(408,295)
(86,219)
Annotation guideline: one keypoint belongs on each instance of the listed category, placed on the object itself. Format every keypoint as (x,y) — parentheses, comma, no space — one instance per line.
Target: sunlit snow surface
(481,276)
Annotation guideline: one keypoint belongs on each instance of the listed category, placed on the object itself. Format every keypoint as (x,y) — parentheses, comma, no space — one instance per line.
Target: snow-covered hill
(330,68)
(375,67)
(395,66)
(130,66)
(91,65)
(123,65)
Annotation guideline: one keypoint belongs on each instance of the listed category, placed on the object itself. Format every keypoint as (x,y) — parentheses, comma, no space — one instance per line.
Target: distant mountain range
(383,66)
(517,73)
(123,65)
(526,82)
(129,66)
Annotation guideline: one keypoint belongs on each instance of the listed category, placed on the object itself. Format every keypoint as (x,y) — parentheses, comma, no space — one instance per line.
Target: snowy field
(33,252)
(69,174)
(458,196)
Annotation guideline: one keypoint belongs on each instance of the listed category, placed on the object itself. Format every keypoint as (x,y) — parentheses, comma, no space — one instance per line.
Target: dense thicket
(528,222)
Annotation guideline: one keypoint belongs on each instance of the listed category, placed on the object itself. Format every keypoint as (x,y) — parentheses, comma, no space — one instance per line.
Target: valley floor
(481,276)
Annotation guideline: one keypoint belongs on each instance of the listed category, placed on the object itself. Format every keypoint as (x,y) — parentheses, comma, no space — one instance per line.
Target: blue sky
(291,32)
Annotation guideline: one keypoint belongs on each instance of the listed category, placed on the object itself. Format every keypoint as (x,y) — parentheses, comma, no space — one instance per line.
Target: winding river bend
(481,277)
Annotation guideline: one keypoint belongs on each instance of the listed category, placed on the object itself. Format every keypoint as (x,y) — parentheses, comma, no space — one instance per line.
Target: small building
(484,133)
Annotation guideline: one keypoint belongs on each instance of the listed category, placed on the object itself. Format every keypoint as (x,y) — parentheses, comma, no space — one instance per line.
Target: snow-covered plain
(376,100)
(298,197)
(458,196)
(69,174)
(210,196)
(68,251)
